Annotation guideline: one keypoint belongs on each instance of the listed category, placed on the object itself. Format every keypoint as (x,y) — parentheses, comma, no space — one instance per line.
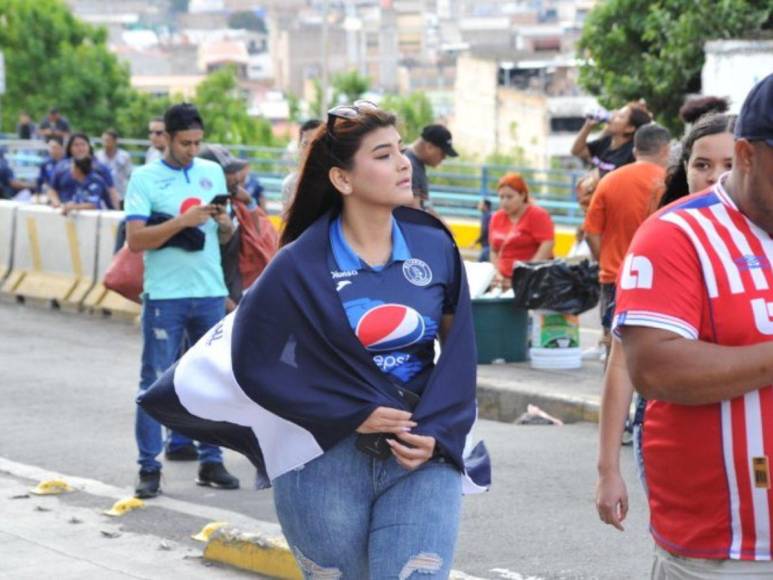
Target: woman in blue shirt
(349,510)
(325,376)
(85,188)
(62,187)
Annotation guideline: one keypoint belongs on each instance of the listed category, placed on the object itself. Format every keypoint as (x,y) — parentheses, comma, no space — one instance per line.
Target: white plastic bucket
(555,358)
(554,330)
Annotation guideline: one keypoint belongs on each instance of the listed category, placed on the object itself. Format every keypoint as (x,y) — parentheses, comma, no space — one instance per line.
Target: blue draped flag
(284,378)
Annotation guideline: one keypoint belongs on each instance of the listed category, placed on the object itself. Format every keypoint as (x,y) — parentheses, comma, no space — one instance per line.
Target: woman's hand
(612,499)
(387,420)
(421,449)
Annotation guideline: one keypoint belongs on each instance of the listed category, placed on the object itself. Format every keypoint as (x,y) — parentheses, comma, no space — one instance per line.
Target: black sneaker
(216,475)
(185,453)
(149,484)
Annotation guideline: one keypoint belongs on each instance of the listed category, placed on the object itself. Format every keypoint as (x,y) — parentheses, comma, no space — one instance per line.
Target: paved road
(68,384)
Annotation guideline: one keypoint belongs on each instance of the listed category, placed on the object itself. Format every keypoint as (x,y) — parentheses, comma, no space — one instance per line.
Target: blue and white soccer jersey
(395,309)
(172,272)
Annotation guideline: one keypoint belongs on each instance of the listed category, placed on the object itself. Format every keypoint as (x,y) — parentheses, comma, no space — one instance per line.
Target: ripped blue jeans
(164,323)
(349,516)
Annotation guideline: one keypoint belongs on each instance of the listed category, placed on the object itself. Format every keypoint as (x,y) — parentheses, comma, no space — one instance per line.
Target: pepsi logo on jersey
(390,326)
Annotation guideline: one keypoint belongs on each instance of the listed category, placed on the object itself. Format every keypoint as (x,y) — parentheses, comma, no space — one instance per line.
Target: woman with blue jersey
(325,376)
(88,189)
(364,514)
(64,185)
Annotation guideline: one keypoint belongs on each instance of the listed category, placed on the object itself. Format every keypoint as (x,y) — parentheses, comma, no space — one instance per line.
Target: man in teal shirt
(170,216)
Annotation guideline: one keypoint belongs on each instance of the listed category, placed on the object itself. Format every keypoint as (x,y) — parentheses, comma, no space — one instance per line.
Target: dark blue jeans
(164,323)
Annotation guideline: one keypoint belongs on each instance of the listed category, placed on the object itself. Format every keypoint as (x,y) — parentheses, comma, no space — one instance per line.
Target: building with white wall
(733,67)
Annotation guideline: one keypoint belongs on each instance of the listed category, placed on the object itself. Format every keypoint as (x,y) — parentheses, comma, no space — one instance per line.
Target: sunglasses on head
(349,111)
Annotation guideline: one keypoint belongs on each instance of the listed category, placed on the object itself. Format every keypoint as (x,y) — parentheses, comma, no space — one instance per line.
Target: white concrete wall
(733,67)
(475,97)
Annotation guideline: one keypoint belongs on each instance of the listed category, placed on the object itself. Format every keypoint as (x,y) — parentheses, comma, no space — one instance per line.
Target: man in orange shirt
(622,201)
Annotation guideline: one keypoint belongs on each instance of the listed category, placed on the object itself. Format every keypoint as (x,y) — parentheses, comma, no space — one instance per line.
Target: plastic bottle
(600,115)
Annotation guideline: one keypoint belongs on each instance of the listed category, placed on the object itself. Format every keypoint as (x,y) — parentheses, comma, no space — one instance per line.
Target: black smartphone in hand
(374,444)
(221,199)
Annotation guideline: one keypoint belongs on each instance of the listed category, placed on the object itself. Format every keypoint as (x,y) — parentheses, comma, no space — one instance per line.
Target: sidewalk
(68,537)
(55,537)
(504,391)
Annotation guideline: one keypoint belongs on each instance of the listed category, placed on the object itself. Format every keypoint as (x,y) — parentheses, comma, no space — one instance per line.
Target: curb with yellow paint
(257,552)
(263,553)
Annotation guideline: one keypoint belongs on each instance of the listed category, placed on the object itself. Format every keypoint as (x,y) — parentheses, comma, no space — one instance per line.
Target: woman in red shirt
(520,231)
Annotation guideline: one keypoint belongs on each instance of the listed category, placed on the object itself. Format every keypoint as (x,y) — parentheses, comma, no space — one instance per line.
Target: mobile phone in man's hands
(221,199)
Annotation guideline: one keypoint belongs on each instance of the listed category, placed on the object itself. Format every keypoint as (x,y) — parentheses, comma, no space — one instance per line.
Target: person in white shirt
(118,160)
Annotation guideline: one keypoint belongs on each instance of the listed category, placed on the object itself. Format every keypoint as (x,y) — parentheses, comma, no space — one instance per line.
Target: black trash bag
(571,288)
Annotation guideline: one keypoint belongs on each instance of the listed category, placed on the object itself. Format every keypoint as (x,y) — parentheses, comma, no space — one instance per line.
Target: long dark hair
(336,147)
(71,140)
(676,178)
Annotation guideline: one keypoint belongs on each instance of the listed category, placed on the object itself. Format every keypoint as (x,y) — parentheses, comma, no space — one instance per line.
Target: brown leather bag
(125,274)
(258,244)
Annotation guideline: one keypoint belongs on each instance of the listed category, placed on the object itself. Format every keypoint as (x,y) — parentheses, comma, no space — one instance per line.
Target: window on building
(566,124)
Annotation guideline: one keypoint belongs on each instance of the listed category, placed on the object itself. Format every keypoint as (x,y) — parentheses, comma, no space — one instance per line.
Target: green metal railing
(456,187)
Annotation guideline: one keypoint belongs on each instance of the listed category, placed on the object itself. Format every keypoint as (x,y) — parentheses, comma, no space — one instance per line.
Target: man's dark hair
(112,132)
(53,111)
(182,117)
(650,138)
(310,125)
(56,138)
(486,203)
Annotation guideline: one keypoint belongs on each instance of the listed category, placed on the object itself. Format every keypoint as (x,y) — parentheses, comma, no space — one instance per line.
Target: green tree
(413,112)
(351,85)
(52,58)
(224,111)
(653,49)
(247,20)
(132,120)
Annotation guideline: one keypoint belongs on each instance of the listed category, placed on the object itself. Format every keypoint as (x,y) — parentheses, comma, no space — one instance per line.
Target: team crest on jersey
(205,183)
(417,272)
(745,263)
(389,327)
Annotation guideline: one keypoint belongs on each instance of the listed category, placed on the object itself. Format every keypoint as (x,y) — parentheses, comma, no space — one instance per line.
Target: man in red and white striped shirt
(695,314)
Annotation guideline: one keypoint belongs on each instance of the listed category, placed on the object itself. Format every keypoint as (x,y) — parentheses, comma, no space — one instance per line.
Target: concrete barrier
(7,226)
(100,298)
(54,256)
